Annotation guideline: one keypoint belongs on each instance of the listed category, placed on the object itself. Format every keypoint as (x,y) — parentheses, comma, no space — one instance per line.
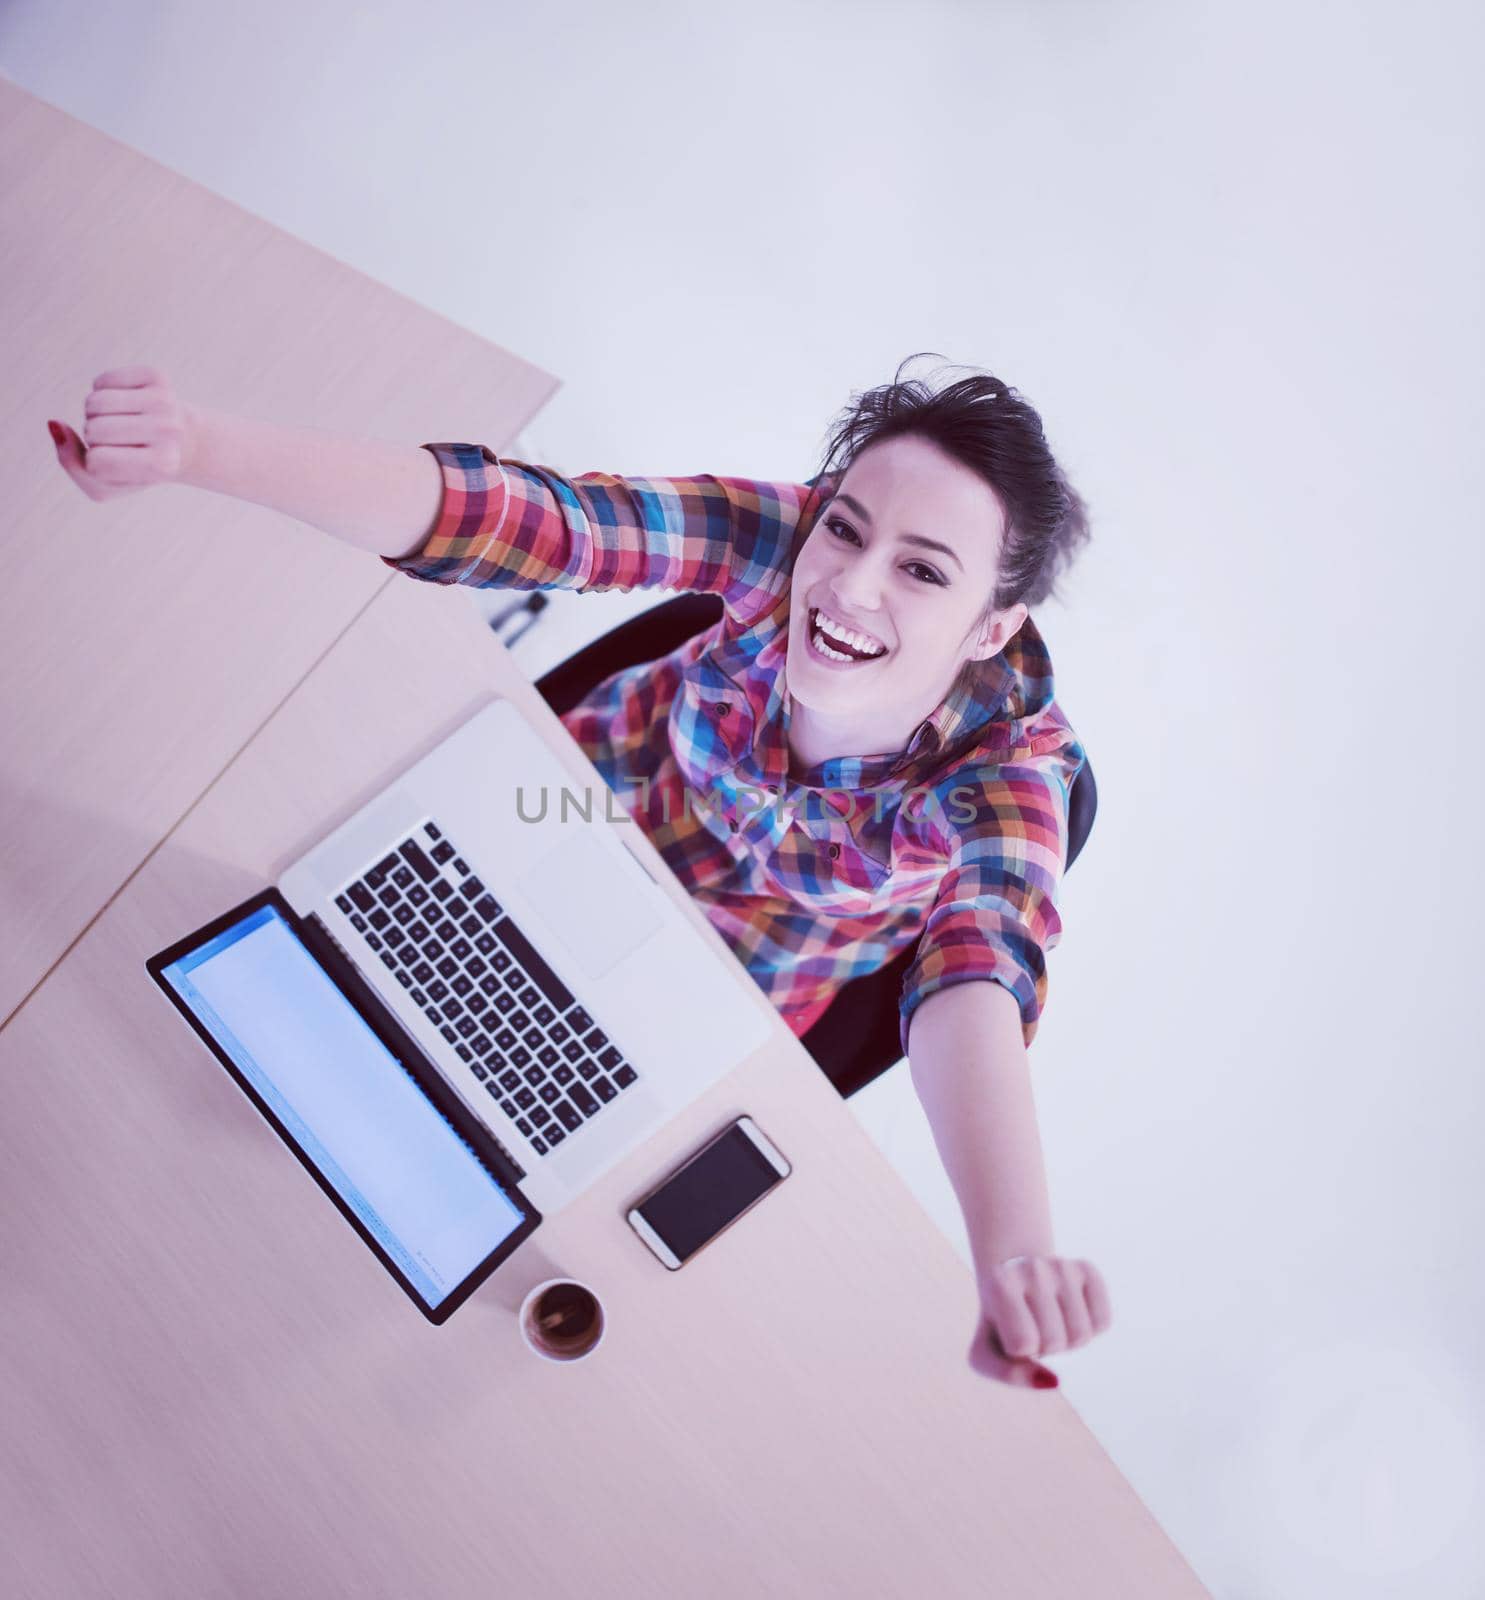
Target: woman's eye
(929,575)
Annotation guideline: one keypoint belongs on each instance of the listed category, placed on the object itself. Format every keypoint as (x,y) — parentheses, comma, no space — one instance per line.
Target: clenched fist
(136,433)
(1033,1306)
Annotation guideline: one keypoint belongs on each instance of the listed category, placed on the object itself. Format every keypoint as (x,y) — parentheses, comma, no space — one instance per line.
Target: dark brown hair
(990,428)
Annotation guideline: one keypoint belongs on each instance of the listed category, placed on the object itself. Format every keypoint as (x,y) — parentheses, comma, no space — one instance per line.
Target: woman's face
(905,553)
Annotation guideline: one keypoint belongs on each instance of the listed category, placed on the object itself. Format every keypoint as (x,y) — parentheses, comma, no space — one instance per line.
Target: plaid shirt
(956,843)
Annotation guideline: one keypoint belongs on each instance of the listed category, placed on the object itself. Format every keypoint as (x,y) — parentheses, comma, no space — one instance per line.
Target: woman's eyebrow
(907,538)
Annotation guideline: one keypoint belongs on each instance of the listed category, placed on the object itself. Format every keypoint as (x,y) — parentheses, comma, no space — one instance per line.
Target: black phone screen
(715,1187)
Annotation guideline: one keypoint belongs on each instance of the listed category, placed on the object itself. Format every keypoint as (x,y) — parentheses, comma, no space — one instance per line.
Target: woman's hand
(137,432)
(1034,1306)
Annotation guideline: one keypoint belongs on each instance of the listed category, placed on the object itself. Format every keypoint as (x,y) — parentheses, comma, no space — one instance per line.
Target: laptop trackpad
(590,902)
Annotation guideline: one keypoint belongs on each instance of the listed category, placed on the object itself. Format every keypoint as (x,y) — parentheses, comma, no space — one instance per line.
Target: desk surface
(215,1388)
(143,640)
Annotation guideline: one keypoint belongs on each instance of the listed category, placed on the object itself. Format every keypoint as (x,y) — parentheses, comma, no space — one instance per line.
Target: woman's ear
(998,632)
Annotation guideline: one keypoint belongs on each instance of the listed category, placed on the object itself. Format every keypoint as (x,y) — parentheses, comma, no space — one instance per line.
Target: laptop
(477,940)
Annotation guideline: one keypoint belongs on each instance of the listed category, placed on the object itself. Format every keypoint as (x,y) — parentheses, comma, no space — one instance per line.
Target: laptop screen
(346,1100)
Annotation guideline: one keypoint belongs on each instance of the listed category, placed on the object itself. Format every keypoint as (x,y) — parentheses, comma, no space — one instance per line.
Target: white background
(1233,255)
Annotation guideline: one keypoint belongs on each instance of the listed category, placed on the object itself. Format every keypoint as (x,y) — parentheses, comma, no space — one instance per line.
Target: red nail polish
(56,432)
(1045,1380)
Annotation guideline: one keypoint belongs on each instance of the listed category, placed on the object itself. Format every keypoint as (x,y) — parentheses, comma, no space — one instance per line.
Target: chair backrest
(858,1036)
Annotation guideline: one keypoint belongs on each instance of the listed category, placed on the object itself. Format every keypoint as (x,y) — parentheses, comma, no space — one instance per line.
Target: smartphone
(708,1192)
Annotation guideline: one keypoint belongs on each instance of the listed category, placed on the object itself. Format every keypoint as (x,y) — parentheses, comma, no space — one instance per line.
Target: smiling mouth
(842,656)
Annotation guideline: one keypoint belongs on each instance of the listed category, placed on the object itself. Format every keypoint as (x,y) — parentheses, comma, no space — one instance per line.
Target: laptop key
(465,1053)
(508,1106)
(344,902)
(558,1032)
(524,1126)
(588,1068)
(538,1144)
(525,1099)
(578,1020)
(604,1088)
(432,949)
(423,972)
(459,982)
(413,852)
(417,929)
(373,941)
(505,1039)
(455,909)
(404,978)
(625,1076)
(448,967)
(402,877)
(520,1056)
(547,1055)
(441,888)
(540,1116)
(417,895)
(572,1050)
(437,989)
(380,918)
(595,1039)
(432,830)
(535,1074)
(554,1133)
(449,1033)
(570,1117)
(388,959)
(583,1100)
(442,851)
(478,1071)
(447,931)
(549,1092)
(466,1026)
(471,924)
(563,1074)
(511,1078)
(460,949)
(610,1058)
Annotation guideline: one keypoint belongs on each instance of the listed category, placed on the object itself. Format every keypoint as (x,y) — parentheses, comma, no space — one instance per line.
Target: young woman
(864,754)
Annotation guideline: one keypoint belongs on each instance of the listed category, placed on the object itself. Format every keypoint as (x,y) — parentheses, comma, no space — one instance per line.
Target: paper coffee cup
(562,1320)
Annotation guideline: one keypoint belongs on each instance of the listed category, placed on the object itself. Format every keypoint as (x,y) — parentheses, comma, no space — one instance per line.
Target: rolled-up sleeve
(994,915)
(510,524)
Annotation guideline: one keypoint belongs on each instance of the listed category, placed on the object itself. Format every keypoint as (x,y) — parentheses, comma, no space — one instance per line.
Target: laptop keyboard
(486,988)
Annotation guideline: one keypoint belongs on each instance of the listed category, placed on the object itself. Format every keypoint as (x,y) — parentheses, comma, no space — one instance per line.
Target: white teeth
(833,630)
(817,642)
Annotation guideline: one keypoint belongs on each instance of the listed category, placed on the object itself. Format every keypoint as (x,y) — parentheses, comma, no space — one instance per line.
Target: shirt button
(835,852)
(723,709)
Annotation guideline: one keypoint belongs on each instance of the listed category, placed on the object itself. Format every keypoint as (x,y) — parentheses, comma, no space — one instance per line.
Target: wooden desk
(142,641)
(215,1389)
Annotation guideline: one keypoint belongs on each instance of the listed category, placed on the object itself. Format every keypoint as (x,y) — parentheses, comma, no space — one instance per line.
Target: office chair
(856,1038)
